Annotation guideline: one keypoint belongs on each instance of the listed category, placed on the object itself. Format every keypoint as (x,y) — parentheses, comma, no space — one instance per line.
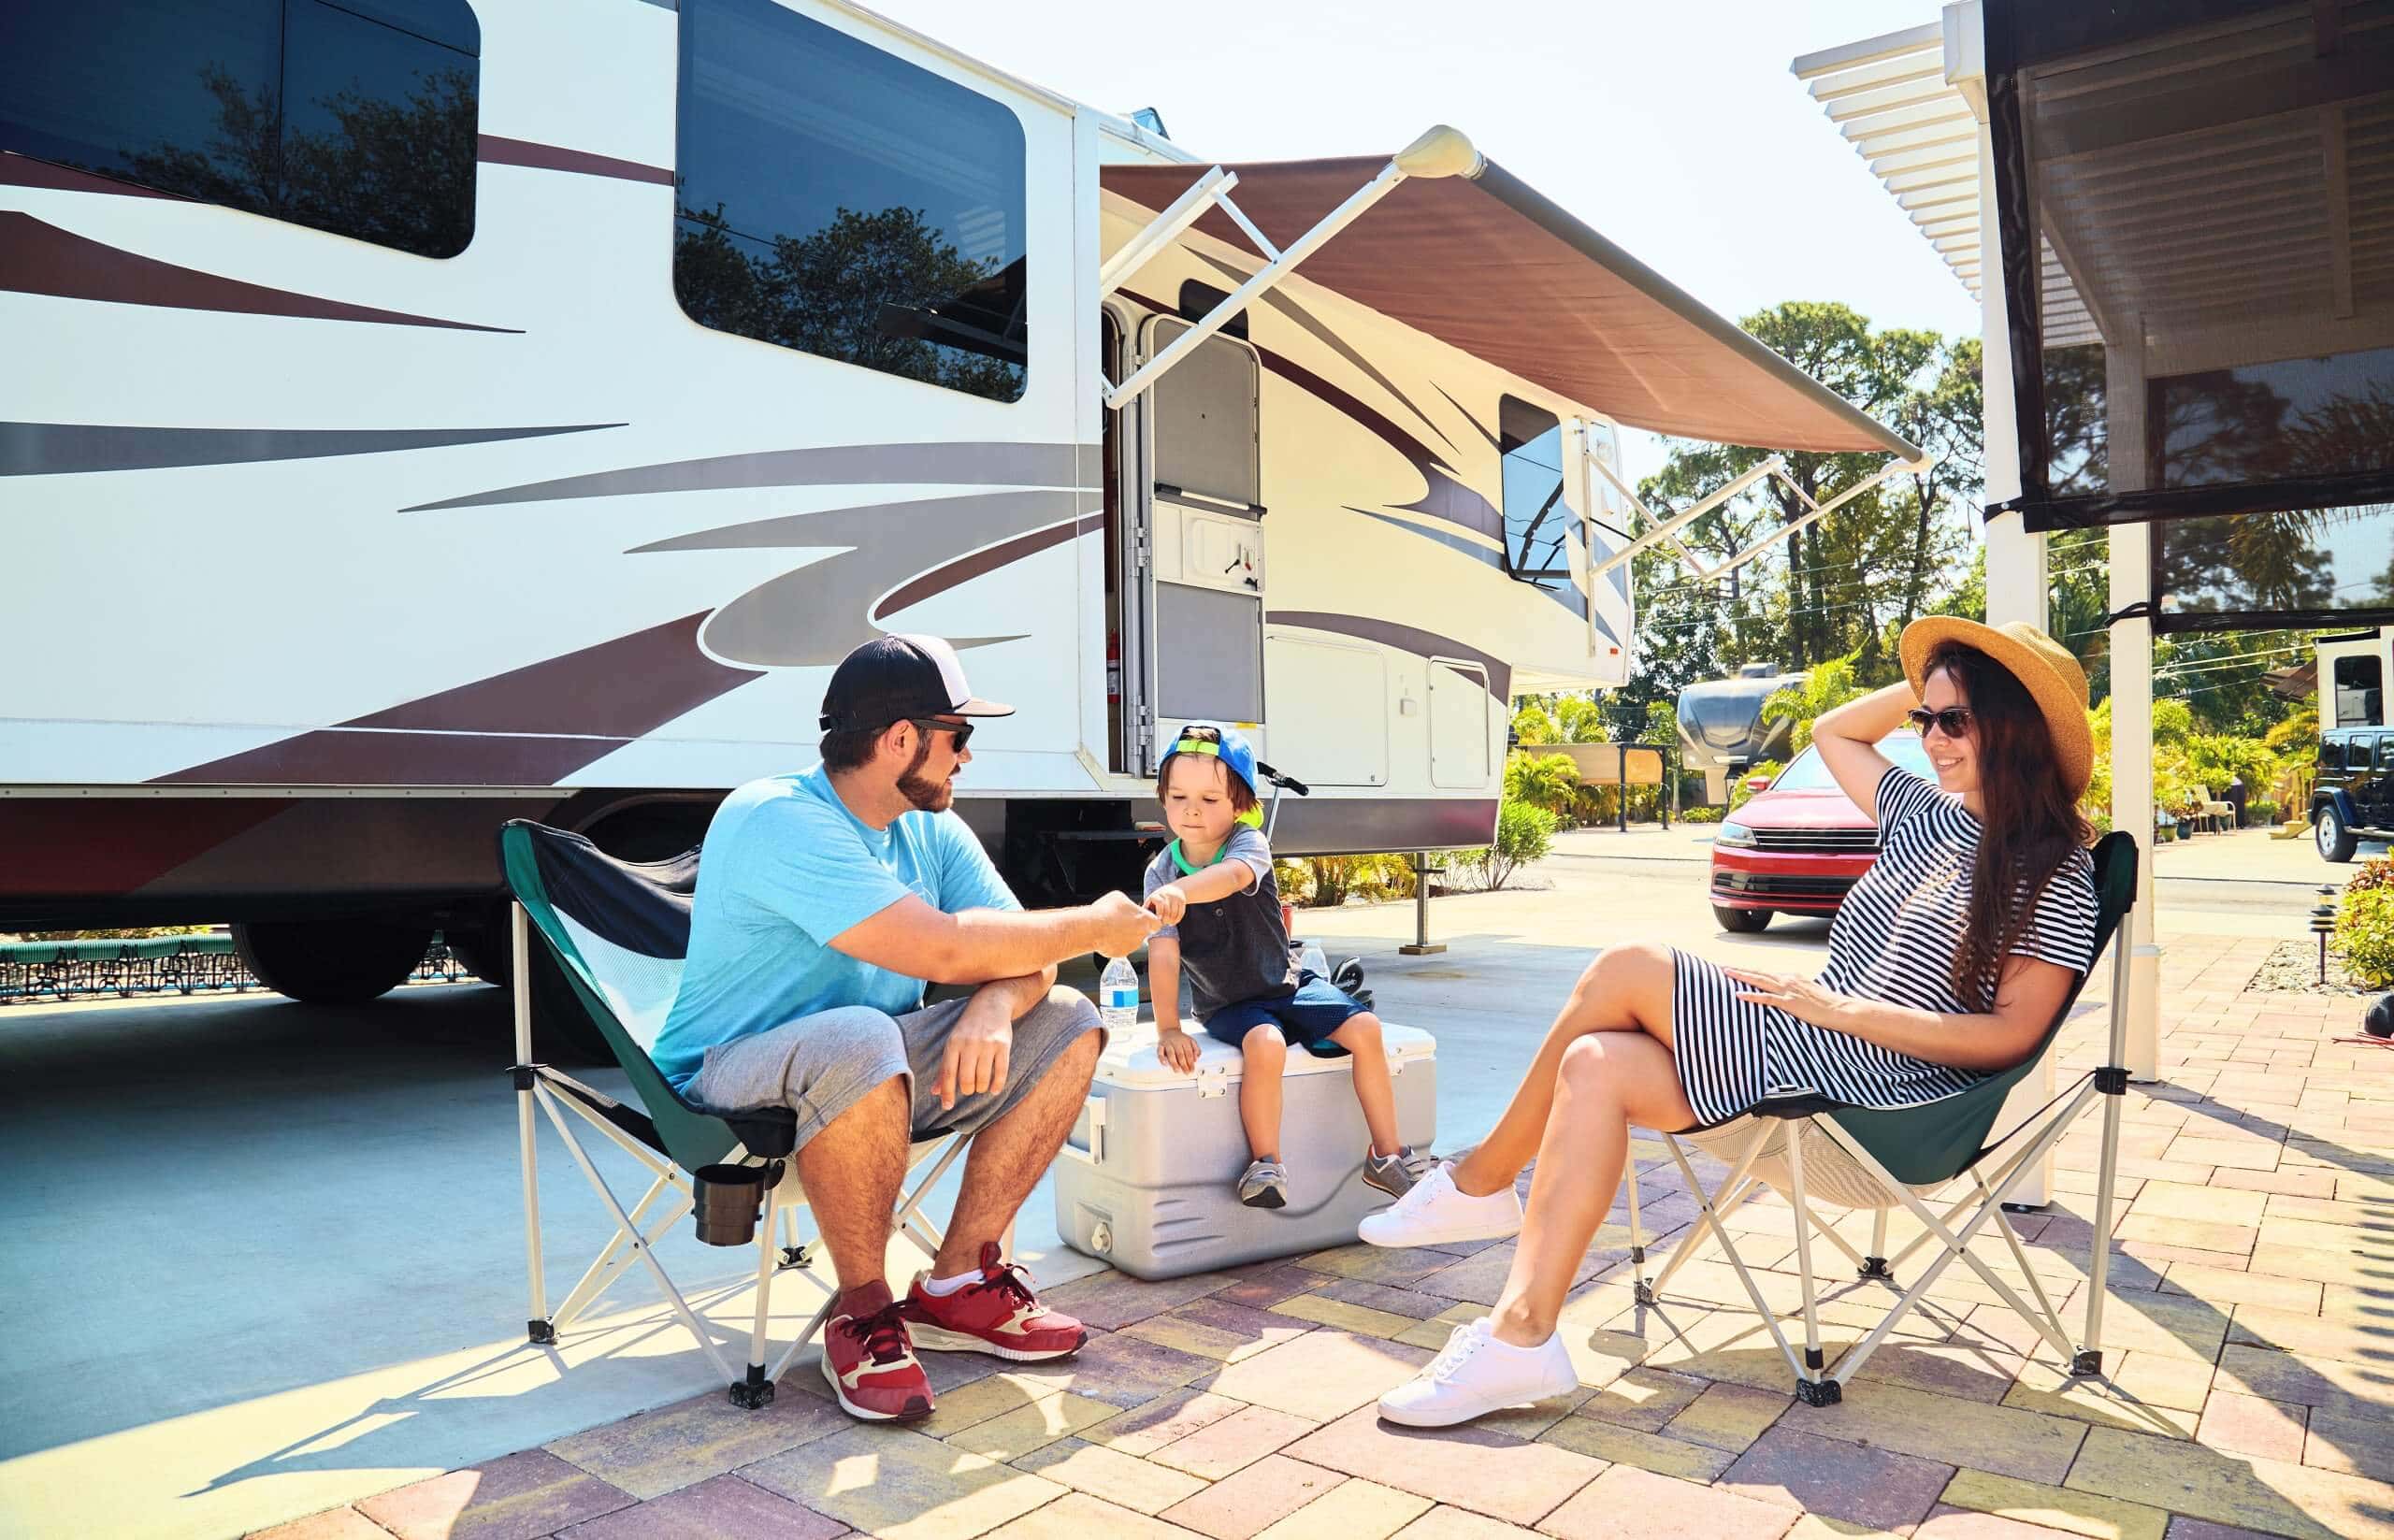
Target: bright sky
(1675,128)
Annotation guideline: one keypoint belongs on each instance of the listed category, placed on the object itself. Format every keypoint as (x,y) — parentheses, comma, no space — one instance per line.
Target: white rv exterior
(326,557)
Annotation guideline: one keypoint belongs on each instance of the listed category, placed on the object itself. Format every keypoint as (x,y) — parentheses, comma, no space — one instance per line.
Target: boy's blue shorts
(1306,1019)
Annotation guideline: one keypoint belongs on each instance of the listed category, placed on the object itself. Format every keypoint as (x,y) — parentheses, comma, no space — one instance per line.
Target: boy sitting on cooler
(1212,887)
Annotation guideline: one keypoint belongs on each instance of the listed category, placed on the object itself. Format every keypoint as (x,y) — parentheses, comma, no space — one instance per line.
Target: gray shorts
(819,1066)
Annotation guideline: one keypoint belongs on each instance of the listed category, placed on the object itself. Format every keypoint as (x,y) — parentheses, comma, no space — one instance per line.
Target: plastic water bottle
(1118,997)
(1314,962)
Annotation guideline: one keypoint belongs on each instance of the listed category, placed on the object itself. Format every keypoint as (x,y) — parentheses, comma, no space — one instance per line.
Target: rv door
(1205,517)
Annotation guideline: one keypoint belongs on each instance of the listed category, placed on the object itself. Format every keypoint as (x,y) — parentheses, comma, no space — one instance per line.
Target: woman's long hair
(2030,821)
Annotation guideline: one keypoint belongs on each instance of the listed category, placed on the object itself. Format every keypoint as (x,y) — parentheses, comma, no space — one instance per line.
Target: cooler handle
(1092,1153)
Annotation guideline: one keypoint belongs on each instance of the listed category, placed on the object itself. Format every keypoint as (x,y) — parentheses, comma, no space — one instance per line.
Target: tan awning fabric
(1490,265)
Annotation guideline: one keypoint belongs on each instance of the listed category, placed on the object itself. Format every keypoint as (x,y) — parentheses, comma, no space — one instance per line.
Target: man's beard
(924,795)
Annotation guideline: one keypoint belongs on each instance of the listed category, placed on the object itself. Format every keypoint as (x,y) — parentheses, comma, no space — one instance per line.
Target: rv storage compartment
(1146,1182)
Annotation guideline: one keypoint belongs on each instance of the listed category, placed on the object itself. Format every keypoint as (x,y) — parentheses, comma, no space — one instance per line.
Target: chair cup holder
(729,1200)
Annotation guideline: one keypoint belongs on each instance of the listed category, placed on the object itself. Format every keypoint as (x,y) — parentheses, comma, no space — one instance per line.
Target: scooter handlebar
(1282,780)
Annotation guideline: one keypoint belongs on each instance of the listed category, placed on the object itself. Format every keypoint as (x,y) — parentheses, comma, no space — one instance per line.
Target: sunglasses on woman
(1953,721)
(964,730)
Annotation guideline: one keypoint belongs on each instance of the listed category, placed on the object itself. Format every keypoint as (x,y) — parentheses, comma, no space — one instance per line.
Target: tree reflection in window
(843,202)
(360,124)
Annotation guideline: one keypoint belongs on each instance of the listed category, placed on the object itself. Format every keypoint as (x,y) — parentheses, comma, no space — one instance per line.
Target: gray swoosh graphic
(1329,339)
(962,464)
(818,614)
(63,448)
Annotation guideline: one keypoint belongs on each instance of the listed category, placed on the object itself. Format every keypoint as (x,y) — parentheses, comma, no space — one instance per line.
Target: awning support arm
(1819,511)
(1678,522)
(1686,556)
(1187,209)
(1440,152)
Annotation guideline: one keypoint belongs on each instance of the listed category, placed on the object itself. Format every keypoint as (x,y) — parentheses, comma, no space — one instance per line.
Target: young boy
(1212,887)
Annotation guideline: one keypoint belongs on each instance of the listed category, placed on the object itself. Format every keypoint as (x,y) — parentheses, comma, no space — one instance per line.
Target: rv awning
(1489,266)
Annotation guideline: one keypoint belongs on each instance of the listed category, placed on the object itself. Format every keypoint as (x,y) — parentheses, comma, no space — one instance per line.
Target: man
(825,902)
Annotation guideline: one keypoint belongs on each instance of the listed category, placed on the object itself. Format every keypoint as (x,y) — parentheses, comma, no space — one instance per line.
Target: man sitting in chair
(825,902)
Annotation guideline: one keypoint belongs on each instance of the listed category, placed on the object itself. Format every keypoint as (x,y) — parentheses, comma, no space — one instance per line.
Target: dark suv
(2354,797)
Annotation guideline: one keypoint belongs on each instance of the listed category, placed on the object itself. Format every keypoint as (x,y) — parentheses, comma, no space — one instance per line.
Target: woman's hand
(1177,1050)
(1800,998)
(1168,903)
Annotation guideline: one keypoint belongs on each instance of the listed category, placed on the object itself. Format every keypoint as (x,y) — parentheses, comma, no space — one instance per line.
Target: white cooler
(1147,1181)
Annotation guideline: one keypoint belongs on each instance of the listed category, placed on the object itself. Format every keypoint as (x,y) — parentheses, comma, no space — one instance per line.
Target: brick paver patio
(2250,1339)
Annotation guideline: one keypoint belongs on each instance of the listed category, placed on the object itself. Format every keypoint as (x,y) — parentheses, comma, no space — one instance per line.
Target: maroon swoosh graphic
(39,258)
(59,848)
(530,727)
(24,171)
(494,151)
(965,569)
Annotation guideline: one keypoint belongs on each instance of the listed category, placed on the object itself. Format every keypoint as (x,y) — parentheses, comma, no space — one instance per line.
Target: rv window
(2359,689)
(356,118)
(1540,527)
(844,203)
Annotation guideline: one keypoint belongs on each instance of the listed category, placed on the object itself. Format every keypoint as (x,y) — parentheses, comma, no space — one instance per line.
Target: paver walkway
(2250,1339)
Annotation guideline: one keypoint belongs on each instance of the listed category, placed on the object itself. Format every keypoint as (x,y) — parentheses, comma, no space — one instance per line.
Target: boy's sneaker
(869,1362)
(998,1314)
(1264,1185)
(1475,1374)
(1395,1174)
(1435,1212)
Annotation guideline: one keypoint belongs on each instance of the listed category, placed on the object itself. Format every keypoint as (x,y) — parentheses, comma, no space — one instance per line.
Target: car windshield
(1806,772)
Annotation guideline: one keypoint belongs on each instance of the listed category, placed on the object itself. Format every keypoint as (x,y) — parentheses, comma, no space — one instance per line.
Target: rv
(421,415)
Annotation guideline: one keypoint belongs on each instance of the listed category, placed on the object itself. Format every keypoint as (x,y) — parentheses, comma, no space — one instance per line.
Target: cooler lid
(1130,1059)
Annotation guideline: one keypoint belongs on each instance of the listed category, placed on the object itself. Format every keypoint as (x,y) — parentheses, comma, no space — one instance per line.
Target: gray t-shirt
(1233,949)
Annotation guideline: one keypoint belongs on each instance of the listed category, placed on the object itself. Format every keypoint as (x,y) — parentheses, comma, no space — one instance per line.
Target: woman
(1947,962)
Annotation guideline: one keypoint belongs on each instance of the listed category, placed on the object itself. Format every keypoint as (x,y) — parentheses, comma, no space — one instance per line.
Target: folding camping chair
(620,930)
(1812,1148)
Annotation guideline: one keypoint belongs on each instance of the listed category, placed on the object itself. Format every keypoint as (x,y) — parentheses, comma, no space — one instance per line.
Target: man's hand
(1168,903)
(1124,925)
(1177,1050)
(977,1050)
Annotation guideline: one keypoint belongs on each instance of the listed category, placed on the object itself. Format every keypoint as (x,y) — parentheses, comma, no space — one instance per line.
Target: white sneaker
(1475,1374)
(1436,1212)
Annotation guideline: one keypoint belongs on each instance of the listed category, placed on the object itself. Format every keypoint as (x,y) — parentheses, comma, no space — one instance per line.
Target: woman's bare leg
(1604,1084)
(1628,988)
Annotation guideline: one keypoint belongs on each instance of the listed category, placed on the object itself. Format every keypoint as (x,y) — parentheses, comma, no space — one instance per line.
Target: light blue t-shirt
(787,867)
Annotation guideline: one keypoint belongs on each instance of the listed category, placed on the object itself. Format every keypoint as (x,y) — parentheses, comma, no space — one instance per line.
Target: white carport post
(2017,583)
(2131,648)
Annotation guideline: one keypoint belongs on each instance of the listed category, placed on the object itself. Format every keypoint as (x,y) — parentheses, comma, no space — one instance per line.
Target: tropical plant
(1741,790)
(1525,834)
(1549,781)
(1827,686)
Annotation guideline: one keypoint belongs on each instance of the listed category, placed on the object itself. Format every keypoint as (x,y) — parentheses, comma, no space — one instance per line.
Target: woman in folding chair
(1948,962)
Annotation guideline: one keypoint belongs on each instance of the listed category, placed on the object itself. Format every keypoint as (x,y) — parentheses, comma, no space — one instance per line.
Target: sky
(1675,129)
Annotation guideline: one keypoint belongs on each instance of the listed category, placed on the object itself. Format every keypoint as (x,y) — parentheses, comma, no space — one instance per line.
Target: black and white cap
(894,677)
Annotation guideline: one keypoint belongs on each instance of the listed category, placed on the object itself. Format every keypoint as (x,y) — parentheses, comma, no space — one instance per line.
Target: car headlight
(1733,833)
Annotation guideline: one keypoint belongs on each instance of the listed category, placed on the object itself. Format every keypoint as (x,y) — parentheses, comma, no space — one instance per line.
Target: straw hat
(2051,675)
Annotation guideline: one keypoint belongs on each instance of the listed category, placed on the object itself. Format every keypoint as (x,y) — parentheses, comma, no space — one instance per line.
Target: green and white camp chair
(1813,1150)
(621,932)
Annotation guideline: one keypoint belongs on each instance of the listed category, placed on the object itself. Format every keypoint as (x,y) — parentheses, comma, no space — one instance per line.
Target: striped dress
(1893,940)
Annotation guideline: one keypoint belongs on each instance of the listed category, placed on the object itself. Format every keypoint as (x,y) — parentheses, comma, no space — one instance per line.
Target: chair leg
(754,1389)
(1704,1207)
(616,1255)
(1875,1264)
(538,1327)
(1636,1233)
(1811,1376)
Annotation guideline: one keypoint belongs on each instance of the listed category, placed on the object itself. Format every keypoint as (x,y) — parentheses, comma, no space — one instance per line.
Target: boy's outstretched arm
(1176,1047)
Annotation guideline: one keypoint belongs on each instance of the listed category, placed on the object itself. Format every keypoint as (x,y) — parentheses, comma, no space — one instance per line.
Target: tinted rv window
(357,118)
(2359,689)
(1540,527)
(847,204)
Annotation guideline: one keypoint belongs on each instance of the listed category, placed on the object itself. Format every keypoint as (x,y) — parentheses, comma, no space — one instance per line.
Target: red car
(1800,844)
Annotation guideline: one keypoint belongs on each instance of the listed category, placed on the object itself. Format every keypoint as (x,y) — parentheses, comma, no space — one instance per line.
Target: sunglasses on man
(964,730)
(1953,721)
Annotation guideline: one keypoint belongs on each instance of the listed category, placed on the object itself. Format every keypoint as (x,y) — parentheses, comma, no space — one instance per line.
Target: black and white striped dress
(1893,940)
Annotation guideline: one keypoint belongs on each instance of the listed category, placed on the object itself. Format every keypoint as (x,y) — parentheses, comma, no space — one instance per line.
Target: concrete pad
(520,1497)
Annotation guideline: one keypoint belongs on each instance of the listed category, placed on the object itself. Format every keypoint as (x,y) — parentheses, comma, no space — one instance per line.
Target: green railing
(32,972)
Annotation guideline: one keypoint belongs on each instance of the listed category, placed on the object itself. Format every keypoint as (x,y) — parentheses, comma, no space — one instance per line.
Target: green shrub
(1699,815)
(1525,834)
(1294,879)
(1331,879)
(2364,935)
(1549,781)
(2261,813)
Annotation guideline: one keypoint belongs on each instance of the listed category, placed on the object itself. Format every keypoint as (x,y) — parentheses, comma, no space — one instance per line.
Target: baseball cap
(1224,743)
(897,676)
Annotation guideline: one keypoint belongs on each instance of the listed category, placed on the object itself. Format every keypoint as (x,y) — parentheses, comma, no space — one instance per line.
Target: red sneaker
(869,1362)
(997,1315)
